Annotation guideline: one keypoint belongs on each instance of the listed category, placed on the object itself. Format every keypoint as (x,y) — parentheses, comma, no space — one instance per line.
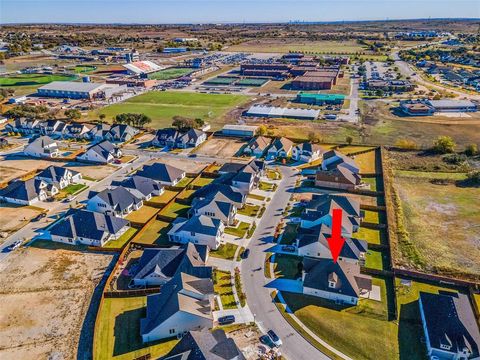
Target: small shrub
(444,145)
(406,144)
(471,150)
(454,159)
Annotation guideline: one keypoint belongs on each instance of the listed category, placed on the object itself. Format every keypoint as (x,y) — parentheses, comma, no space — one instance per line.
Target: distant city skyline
(234,11)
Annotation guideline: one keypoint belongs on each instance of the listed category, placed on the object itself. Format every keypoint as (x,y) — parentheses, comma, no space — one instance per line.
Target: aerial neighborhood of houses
(184,202)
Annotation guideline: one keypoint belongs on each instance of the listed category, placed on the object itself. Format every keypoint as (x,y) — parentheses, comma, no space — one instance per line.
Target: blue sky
(208,11)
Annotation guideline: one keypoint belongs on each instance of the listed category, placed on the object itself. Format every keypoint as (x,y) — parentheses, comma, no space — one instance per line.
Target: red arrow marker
(336,241)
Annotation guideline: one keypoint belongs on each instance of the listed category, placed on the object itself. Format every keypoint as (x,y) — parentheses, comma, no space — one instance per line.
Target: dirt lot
(45,294)
(15,166)
(13,217)
(221,147)
(187,165)
(142,141)
(96,172)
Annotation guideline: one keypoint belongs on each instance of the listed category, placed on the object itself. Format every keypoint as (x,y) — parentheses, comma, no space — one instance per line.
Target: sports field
(33,79)
(162,106)
(168,74)
(274,46)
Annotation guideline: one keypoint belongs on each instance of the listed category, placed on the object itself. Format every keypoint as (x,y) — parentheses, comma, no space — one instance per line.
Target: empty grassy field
(446,213)
(33,79)
(117,331)
(162,106)
(278,46)
(168,74)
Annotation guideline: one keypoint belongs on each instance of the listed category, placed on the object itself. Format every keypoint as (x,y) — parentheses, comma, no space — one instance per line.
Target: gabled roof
(55,173)
(349,279)
(214,189)
(205,345)
(23,190)
(104,149)
(118,198)
(200,224)
(341,158)
(259,143)
(309,147)
(214,205)
(341,174)
(281,144)
(88,224)
(120,130)
(143,185)
(450,321)
(324,202)
(161,172)
(41,143)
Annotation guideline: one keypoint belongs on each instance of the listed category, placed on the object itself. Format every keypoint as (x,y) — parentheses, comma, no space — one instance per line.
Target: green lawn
(372,182)
(33,79)
(238,231)
(371,217)
(122,240)
(162,106)
(265,186)
(249,210)
(376,260)
(184,182)
(143,214)
(175,209)
(289,234)
(225,251)
(171,73)
(201,181)
(73,188)
(370,235)
(166,196)
(117,331)
(223,287)
(287,266)
(155,233)
(84,69)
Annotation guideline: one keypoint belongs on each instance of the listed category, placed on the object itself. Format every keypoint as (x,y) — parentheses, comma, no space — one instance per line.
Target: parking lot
(221,147)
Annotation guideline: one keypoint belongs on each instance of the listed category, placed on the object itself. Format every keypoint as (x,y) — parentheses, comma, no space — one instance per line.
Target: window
(171,331)
(331,284)
(192,233)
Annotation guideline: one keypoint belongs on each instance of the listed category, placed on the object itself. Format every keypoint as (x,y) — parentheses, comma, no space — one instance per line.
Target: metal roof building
(319,99)
(278,112)
(239,130)
(446,105)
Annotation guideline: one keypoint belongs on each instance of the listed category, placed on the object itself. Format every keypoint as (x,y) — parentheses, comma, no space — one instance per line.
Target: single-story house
(280,147)
(117,201)
(257,146)
(88,228)
(164,174)
(339,281)
(202,230)
(42,147)
(185,303)
(103,153)
(449,325)
(59,176)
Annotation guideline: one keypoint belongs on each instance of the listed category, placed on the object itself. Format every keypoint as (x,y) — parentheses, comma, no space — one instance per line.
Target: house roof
(118,198)
(88,224)
(41,143)
(214,189)
(259,143)
(340,158)
(281,144)
(161,172)
(173,299)
(349,279)
(104,149)
(143,185)
(309,147)
(205,344)
(449,320)
(120,130)
(200,224)
(22,190)
(340,174)
(55,173)
(213,205)
(72,86)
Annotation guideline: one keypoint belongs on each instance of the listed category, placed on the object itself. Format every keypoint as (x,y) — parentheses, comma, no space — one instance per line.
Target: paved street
(267,316)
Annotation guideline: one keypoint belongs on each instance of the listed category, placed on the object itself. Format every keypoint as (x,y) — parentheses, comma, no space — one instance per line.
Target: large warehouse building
(142,67)
(279,112)
(79,90)
(313,82)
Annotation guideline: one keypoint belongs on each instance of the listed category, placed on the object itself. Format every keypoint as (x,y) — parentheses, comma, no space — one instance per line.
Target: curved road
(267,316)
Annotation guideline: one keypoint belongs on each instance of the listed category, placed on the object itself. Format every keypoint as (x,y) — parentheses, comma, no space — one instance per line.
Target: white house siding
(330,296)
(20,202)
(92,156)
(183,237)
(180,322)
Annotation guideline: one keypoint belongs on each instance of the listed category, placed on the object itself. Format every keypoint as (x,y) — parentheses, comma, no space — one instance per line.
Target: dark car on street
(224,320)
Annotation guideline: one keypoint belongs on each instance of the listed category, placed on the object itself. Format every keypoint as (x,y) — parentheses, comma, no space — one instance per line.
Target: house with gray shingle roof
(162,173)
(307,152)
(339,281)
(333,158)
(205,344)
(121,133)
(42,147)
(27,192)
(184,303)
(99,132)
(102,153)
(60,176)
(117,201)
(174,138)
(257,146)
(280,148)
(88,228)
(141,187)
(201,229)
(157,266)
(217,207)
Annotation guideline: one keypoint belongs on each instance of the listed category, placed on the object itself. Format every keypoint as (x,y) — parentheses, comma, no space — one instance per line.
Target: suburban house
(319,211)
(333,158)
(78,130)
(217,208)
(24,126)
(53,127)
(205,344)
(255,167)
(42,147)
(157,266)
(117,201)
(280,148)
(142,187)
(185,303)
(306,152)
(121,133)
(450,328)
(339,178)
(59,176)
(314,243)
(99,132)
(162,173)
(202,230)
(219,190)
(27,192)
(339,281)
(257,146)
(88,228)
(102,153)
(3,142)
(173,138)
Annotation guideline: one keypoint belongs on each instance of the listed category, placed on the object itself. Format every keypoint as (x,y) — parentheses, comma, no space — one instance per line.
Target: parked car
(228,319)
(266,340)
(39,216)
(276,340)
(246,253)
(289,248)
(14,246)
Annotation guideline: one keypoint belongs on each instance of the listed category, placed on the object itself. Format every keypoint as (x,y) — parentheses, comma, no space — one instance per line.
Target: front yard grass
(155,233)
(223,287)
(288,266)
(117,331)
(256,197)
(249,210)
(70,190)
(122,240)
(273,174)
(225,251)
(265,186)
(238,231)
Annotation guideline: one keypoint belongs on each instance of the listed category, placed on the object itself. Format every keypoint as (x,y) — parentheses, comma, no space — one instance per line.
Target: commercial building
(142,67)
(320,99)
(278,112)
(453,105)
(313,82)
(78,90)
(416,108)
(239,130)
